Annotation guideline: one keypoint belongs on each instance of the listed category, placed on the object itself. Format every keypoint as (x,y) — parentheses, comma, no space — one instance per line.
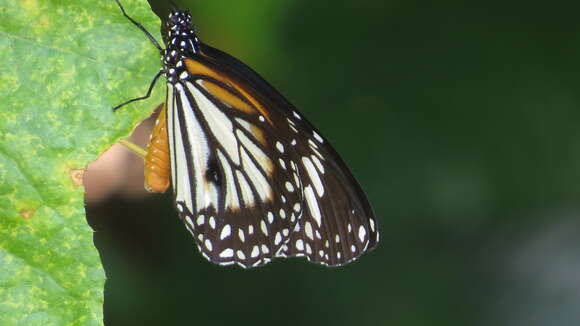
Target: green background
(460,120)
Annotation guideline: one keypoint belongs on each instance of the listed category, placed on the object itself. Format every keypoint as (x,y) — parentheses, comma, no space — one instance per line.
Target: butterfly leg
(142,97)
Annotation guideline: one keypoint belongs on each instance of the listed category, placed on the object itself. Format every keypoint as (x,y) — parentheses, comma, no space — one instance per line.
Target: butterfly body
(253,180)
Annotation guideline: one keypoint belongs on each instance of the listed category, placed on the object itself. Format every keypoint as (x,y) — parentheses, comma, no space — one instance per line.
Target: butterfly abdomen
(157,164)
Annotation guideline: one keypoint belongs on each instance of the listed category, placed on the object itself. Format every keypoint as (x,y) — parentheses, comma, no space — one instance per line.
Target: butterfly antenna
(149,36)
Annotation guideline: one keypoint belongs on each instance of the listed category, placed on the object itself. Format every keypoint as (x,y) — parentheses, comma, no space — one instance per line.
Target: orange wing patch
(157,164)
(197,68)
(227,97)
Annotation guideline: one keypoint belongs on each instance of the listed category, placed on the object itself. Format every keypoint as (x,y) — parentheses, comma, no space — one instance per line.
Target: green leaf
(65,64)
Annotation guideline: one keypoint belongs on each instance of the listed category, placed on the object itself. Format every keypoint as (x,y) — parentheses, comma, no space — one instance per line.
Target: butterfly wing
(338,223)
(253,180)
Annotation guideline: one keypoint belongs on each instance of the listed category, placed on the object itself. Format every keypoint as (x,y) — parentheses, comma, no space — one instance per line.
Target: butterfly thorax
(181,42)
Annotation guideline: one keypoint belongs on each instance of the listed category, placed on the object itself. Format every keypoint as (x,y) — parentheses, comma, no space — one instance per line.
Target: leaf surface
(65,64)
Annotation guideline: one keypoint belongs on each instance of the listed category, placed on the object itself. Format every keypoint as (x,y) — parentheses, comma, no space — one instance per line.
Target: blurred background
(460,120)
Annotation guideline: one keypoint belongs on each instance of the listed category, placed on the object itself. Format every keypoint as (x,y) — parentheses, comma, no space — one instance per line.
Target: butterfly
(252,179)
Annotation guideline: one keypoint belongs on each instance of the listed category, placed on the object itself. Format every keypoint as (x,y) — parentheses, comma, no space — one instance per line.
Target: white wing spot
(226,231)
(212,222)
(372,223)
(317,136)
(229,252)
(289,186)
(321,253)
(200,220)
(265,249)
(293,142)
(297,115)
(241,255)
(208,245)
(362,233)
(242,235)
(308,230)
(280,147)
(264,227)
(300,244)
(262,118)
(278,238)
(282,213)
(337,238)
(285,232)
(308,249)
(270,217)
(352,248)
(349,228)
(251,229)
(255,252)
